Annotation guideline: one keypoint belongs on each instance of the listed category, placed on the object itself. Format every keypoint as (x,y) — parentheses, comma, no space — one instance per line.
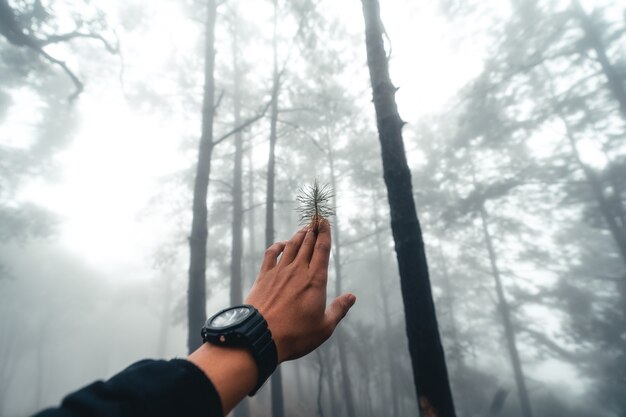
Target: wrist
(232,370)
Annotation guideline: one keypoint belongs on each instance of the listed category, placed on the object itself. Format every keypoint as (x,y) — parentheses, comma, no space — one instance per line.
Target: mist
(151,151)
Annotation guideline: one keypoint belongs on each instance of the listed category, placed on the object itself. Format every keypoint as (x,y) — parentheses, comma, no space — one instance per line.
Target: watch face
(230,317)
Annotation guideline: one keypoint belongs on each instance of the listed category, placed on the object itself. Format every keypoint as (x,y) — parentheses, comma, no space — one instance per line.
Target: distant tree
(196,292)
(27,26)
(427,356)
(562,84)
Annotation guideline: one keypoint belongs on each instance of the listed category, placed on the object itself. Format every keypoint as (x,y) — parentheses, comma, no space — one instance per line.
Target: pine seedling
(315,204)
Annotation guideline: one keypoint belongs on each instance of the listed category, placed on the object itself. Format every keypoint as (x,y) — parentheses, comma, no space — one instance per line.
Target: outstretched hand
(290,293)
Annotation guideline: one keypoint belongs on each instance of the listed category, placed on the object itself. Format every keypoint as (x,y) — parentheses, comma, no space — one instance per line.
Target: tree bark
(196,292)
(278,407)
(427,356)
(509,332)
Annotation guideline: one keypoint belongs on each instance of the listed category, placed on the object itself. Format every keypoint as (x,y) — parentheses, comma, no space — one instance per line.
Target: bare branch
(77,83)
(73,35)
(219,101)
(243,125)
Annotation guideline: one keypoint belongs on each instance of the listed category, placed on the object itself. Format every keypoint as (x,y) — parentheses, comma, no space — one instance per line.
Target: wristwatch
(244,326)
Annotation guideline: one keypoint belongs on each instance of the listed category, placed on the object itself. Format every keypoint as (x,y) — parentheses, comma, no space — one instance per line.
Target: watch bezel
(209,323)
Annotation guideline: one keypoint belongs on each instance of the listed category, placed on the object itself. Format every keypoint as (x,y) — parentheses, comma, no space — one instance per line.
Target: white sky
(119,154)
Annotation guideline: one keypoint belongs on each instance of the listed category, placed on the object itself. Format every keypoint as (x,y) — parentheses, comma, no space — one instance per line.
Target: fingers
(292,247)
(321,251)
(306,250)
(271,255)
(338,309)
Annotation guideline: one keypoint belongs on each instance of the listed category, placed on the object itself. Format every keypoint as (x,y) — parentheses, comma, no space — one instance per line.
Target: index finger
(321,251)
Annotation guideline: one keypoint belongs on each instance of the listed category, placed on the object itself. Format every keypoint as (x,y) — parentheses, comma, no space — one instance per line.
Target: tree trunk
(331,388)
(251,257)
(320,361)
(236,279)
(278,408)
(165,316)
(615,81)
(196,292)
(503,306)
(427,356)
(339,336)
(384,294)
(449,302)
(617,231)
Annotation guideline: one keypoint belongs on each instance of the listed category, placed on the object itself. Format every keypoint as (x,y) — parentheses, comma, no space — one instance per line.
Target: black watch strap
(254,334)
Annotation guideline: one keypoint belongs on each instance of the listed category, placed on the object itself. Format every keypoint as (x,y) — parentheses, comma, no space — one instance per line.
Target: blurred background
(515,133)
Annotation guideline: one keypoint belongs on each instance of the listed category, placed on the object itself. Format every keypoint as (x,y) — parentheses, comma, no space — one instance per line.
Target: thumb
(338,309)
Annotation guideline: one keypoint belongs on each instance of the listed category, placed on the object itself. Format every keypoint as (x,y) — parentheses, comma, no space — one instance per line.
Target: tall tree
(340,337)
(278,407)
(196,292)
(236,256)
(504,309)
(427,356)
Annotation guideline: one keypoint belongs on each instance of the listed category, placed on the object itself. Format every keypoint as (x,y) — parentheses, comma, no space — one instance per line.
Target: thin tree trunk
(236,279)
(278,407)
(427,356)
(339,337)
(320,361)
(236,288)
(615,81)
(595,185)
(613,220)
(298,375)
(196,292)
(384,294)
(503,306)
(450,299)
(165,316)
(250,273)
(331,388)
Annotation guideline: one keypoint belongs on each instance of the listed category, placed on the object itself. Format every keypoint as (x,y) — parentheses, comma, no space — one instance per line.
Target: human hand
(290,293)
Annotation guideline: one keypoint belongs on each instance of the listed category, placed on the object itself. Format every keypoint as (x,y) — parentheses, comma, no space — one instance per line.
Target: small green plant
(315,204)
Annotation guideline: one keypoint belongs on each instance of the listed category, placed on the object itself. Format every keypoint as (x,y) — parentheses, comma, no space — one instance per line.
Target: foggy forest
(150,152)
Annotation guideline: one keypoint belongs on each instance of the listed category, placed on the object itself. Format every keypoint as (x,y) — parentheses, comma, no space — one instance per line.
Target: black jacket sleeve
(147,388)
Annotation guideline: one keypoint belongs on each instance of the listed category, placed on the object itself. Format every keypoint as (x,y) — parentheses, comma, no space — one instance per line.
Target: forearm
(232,371)
(146,388)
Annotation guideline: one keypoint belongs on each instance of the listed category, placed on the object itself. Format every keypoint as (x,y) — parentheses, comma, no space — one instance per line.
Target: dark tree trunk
(278,407)
(236,279)
(427,356)
(339,337)
(615,81)
(505,313)
(196,292)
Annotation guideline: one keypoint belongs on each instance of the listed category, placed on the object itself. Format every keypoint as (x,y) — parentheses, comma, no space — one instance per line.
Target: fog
(112,118)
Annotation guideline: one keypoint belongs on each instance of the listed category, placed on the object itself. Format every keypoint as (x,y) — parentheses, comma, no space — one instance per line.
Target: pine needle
(315,204)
